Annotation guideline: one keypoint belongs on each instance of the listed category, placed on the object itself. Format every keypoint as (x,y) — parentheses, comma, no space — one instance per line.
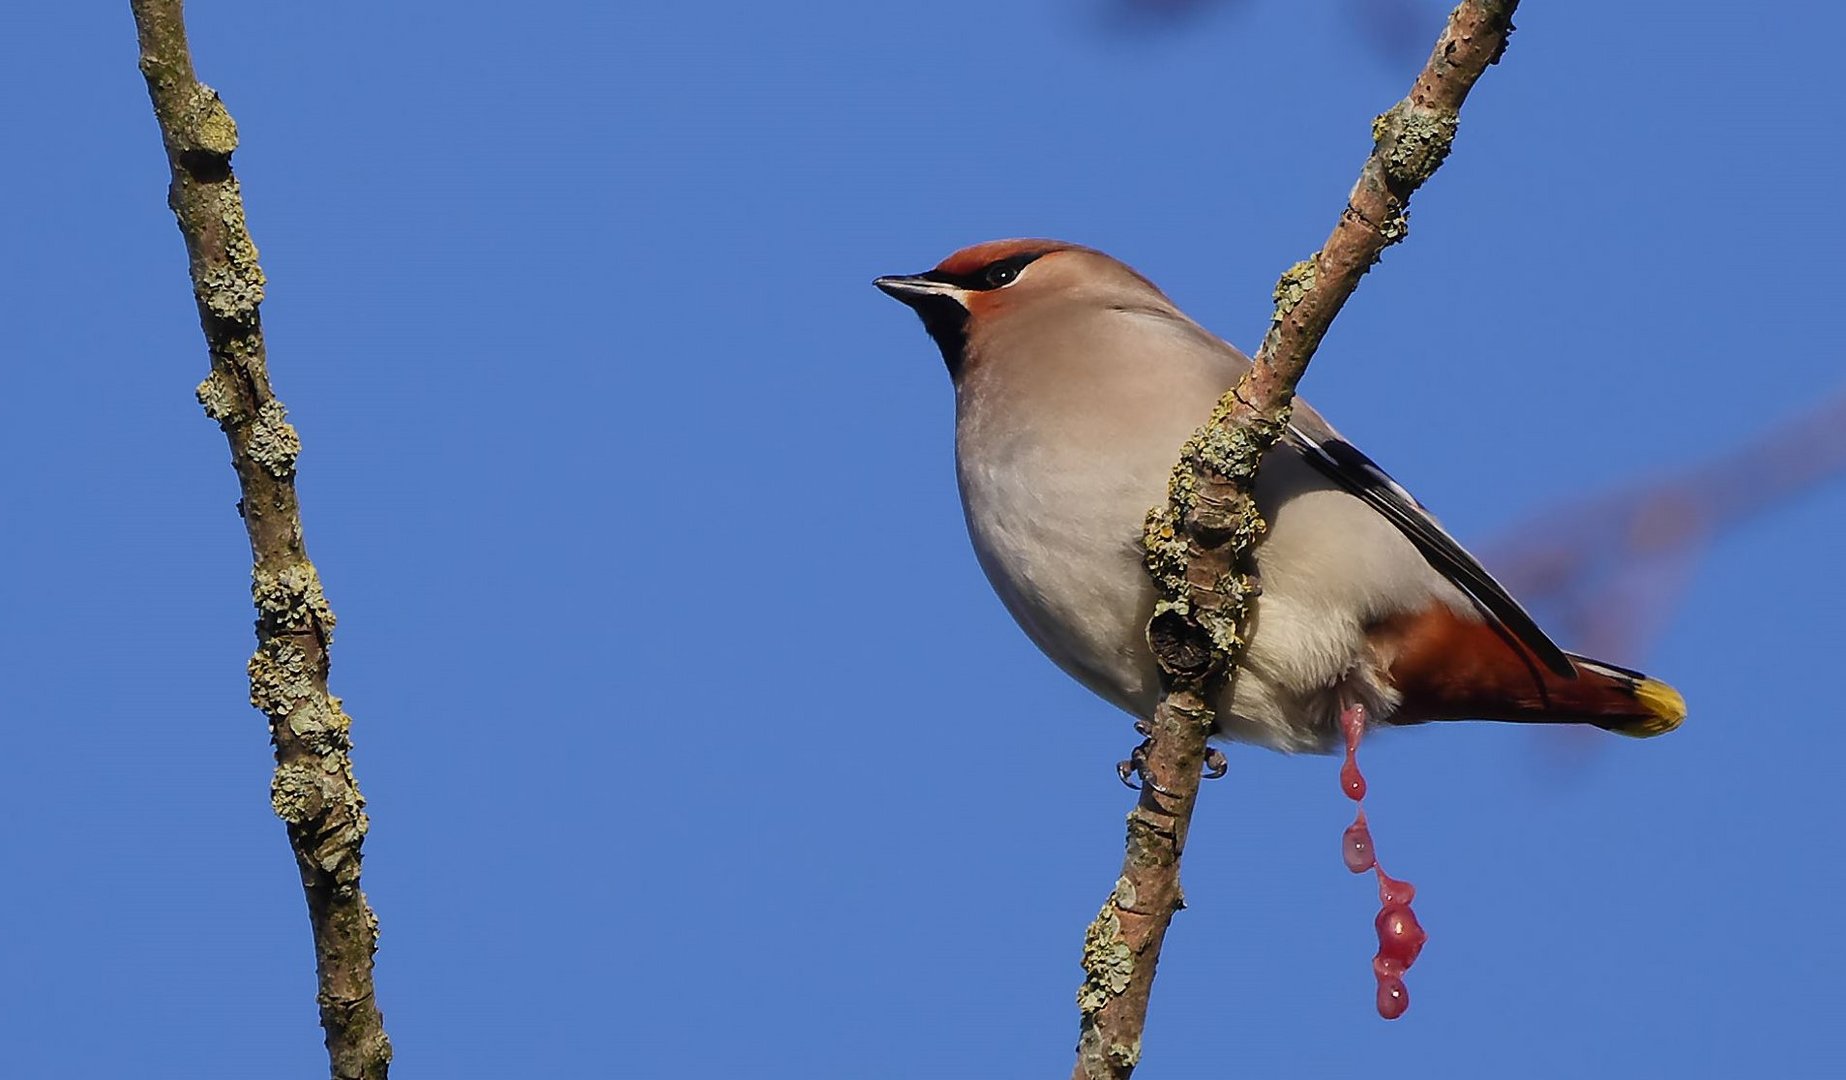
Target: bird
(1076,382)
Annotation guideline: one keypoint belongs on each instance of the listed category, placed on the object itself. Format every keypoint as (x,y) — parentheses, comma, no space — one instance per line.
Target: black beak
(914,289)
(938,303)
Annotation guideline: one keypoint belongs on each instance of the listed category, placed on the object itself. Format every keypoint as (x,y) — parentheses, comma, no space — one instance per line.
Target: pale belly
(1066,564)
(1060,541)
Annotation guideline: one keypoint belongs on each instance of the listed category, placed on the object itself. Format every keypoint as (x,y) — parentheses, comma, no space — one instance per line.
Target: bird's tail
(1609,697)
(1614,699)
(1446,667)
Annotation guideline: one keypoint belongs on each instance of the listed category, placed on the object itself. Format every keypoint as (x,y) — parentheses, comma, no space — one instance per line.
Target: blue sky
(694,742)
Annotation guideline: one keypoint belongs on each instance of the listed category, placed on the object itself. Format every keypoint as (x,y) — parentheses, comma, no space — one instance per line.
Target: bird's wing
(1342,463)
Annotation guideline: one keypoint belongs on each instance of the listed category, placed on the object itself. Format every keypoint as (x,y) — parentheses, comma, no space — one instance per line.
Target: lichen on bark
(313,789)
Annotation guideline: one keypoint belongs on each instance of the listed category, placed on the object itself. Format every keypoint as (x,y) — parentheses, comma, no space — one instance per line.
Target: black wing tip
(1339,460)
(1554,658)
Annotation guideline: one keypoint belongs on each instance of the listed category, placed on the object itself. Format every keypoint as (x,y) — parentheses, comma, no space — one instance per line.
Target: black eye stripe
(994,275)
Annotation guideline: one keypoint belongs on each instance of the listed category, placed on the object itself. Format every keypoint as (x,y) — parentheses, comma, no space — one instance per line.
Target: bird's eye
(1000,274)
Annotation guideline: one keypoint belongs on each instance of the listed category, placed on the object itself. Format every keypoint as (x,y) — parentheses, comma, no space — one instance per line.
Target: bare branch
(313,790)
(1200,545)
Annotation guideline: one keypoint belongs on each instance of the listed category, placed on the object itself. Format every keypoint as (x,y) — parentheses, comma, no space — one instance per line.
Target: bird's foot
(1134,770)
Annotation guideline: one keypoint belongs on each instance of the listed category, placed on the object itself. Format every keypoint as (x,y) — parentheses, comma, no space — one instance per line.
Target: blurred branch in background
(1394,30)
(1200,543)
(1607,571)
(313,790)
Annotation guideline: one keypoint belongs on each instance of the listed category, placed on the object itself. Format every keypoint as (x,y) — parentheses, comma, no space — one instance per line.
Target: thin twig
(313,790)
(1200,544)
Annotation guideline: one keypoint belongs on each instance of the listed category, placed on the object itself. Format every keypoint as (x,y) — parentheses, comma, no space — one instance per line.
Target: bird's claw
(1134,771)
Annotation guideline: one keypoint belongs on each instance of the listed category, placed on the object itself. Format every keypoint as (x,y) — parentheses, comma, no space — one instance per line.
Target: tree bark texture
(313,790)
(1200,545)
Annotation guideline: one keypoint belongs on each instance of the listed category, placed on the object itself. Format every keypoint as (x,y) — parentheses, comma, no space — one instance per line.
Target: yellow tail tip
(1665,709)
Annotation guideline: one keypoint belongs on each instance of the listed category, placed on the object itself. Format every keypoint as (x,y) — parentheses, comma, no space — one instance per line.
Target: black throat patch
(947,323)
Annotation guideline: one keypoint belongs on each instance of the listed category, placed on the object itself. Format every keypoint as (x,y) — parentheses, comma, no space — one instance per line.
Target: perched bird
(1076,381)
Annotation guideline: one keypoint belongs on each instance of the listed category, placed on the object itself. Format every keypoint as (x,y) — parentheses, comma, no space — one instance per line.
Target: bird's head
(982,287)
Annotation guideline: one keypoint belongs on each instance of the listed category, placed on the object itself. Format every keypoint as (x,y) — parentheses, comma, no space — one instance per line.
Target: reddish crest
(971,259)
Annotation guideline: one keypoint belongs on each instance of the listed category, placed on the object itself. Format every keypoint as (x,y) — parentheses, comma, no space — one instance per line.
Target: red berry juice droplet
(1400,937)
(1393,998)
(1352,726)
(1392,891)
(1352,781)
(1356,846)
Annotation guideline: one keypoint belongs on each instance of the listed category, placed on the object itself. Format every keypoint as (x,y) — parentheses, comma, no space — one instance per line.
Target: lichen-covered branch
(1200,544)
(313,790)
